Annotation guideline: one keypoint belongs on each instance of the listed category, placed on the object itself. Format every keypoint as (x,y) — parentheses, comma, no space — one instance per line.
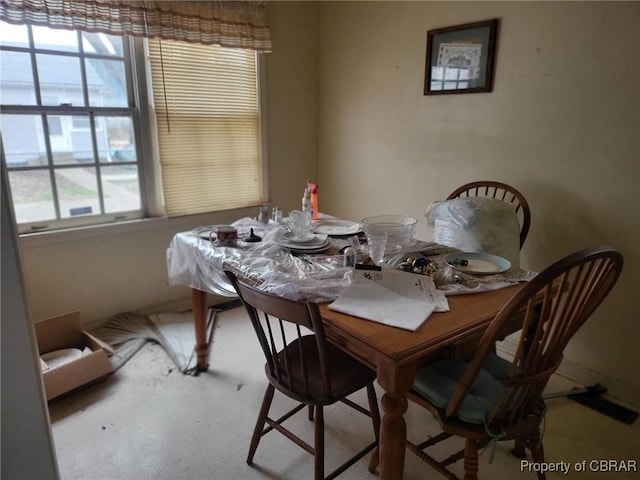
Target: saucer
(311,238)
(336,226)
(317,243)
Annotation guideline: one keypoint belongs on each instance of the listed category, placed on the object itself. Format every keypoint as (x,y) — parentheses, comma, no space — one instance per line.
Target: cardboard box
(65,331)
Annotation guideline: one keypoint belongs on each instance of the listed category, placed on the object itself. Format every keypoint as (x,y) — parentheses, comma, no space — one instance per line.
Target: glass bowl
(399,228)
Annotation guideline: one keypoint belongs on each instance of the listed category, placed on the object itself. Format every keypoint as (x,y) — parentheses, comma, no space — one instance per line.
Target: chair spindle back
(278,322)
(554,305)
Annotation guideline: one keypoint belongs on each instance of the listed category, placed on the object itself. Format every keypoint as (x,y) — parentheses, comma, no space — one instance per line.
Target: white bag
(477,224)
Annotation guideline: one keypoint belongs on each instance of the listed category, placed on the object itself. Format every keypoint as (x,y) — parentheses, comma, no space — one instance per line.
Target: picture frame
(461,58)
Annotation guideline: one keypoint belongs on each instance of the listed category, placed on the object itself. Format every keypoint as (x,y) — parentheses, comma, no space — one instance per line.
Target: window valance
(235,24)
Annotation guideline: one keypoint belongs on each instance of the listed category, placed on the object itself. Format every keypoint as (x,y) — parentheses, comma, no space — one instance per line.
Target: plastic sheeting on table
(198,263)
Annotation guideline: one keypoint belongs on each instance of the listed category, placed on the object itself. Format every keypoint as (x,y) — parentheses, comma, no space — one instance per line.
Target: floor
(149,421)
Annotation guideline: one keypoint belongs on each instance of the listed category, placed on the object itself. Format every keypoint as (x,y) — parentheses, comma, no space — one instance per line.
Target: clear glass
(60,80)
(23,140)
(32,195)
(16,79)
(106,83)
(299,224)
(116,139)
(102,44)
(377,243)
(77,191)
(55,39)
(73,142)
(120,188)
(276,214)
(13,35)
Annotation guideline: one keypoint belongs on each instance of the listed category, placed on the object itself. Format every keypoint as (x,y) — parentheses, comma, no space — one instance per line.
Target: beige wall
(562,125)
(344,104)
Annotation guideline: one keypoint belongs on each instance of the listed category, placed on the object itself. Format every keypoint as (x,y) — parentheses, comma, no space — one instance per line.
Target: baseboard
(180,305)
(184,304)
(621,392)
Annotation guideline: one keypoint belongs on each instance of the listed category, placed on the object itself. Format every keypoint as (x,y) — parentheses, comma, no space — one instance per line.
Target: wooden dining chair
(486,398)
(500,191)
(302,365)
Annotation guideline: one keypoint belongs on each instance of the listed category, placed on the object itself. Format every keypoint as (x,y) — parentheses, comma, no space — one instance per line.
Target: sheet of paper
(410,285)
(366,299)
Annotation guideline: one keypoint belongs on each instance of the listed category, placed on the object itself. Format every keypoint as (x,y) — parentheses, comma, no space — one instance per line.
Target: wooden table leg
(199,303)
(396,381)
(393,437)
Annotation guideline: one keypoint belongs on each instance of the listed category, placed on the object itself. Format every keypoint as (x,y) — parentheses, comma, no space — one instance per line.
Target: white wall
(562,125)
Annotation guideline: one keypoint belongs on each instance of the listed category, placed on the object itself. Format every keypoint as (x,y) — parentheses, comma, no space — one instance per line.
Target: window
(66,105)
(206,104)
(74,128)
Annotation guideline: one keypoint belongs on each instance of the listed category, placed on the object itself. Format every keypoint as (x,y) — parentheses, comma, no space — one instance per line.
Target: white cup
(299,224)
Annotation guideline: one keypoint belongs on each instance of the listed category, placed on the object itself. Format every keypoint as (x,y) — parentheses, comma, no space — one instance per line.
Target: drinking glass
(263,214)
(299,224)
(377,243)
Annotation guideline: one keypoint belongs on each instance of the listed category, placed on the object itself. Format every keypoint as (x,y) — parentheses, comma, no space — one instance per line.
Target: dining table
(194,260)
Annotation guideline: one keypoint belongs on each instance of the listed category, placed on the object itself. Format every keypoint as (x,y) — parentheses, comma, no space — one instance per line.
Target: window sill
(181,223)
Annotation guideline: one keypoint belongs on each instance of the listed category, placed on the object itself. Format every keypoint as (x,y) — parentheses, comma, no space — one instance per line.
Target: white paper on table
(366,299)
(410,285)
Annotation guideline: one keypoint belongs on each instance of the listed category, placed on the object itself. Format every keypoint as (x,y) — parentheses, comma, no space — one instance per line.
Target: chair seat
(438,382)
(347,374)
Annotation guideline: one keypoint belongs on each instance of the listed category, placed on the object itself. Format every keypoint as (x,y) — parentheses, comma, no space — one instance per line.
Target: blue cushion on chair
(438,382)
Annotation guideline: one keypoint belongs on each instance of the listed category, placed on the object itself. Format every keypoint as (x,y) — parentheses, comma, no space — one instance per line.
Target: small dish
(335,226)
(478,263)
(207,232)
(312,238)
(305,246)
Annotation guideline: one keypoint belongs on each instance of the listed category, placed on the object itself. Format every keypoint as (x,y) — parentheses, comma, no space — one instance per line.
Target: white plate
(305,246)
(208,232)
(288,237)
(478,263)
(310,250)
(335,226)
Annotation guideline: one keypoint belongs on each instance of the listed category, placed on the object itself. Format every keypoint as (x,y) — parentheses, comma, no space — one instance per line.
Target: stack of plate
(336,226)
(312,244)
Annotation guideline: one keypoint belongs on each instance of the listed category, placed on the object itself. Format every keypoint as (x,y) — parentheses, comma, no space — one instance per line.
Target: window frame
(44,111)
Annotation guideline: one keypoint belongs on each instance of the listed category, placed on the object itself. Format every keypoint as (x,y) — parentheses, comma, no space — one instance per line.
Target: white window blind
(206,105)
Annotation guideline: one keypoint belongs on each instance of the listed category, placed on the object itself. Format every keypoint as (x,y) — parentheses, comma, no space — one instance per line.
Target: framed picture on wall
(460,59)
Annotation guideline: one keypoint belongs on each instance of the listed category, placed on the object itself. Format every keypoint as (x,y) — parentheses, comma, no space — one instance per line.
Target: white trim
(177,224)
